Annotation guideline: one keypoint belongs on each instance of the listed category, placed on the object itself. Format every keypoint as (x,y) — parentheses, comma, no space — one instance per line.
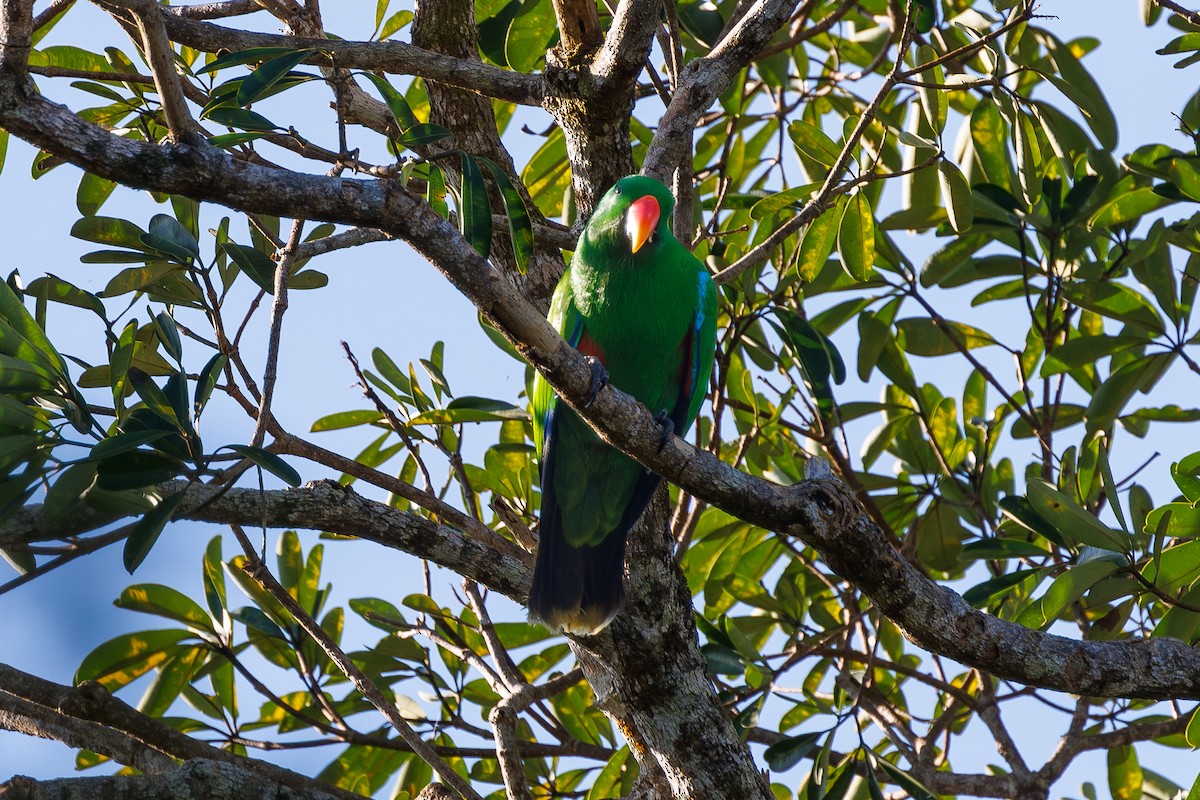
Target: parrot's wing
(565,317)
(699,349)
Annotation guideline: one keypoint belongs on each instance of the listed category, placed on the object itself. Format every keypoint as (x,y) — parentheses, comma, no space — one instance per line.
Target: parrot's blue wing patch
(698,346)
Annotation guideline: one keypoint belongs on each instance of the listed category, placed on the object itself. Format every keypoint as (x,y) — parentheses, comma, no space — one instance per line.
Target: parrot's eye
(616,190)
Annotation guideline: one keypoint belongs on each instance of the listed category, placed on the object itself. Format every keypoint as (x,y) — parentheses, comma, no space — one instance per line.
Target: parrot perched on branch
(645,310)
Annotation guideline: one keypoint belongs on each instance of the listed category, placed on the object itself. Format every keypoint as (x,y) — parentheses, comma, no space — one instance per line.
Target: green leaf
(226,140)
(921,336)
(609,781)
(124,658)
(1071,520)
(254,618)
(1117,301)
(92,192)
(163,601)
(61,291)
(1029,158)
(472,409)
(1127,203)
(388,369)
(207,380)
(257,265)
(395,22)
(68,57)
(13,311)
(423,133)
(251,55)
(979,595)
(474,212)
(124,443)
(819,239)
(1185,174)
(935,102)
(895,775)
(308,279)
(990,138)
(379,613)
(856,238)
(529,35)
(399,107)
(240,118)
(813,142)
(722,660)
(346,419)
(268,461)
(152,396)
(1074,81)
(787,753)
(1125,777)
(520,229)
(1065,590)
(956,194)
(168,334)
(171,239)
(259,82)
(66,492)
(1109,400)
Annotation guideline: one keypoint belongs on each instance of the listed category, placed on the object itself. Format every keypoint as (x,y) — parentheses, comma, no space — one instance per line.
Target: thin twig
(279,306)
(1190,16)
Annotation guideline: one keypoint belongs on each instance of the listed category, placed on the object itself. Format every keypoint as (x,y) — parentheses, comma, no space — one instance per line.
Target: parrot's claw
(667,426)
(599,379)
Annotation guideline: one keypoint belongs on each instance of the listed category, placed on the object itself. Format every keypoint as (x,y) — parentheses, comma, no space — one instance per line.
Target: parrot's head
(633,217)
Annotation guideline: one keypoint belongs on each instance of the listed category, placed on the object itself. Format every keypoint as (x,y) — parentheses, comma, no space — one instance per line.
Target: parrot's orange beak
(640,221)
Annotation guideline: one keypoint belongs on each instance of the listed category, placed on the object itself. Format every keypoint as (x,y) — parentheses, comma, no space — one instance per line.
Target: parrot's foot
(668,429)
(599,379)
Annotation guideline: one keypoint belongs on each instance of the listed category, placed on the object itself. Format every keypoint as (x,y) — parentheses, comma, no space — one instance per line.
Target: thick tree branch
(73,710)
(31,719)
(193,780)
(161,58)
(579,25)
(323,505)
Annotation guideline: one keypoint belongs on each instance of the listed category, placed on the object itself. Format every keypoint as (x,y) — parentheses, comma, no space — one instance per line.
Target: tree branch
(194,780)
(393,57)
(1190,16)
(322,505)
(73,710)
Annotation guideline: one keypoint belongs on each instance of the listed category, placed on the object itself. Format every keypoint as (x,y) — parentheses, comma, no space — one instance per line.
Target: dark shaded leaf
(146,531)
(259,82)
(475,211)
(268,461)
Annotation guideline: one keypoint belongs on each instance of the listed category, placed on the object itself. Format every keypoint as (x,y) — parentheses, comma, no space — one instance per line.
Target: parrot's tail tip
(578,621)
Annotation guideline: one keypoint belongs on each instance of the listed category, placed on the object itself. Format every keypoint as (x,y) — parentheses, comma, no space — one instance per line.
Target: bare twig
(1190,16)
(283,267)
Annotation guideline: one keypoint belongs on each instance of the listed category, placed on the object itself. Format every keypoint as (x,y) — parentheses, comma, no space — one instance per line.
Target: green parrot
(645,310)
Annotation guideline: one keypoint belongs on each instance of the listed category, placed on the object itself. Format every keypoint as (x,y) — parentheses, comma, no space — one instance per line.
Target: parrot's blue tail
(576,589)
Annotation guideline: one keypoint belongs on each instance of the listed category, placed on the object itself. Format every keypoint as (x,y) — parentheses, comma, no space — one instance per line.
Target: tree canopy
(899,525)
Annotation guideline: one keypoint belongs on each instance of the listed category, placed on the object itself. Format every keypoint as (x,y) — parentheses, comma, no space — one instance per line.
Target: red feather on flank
(589,348)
